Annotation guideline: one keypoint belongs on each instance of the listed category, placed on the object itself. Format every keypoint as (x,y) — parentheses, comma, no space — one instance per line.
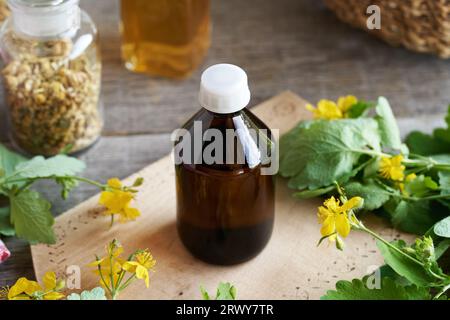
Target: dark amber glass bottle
(225,208)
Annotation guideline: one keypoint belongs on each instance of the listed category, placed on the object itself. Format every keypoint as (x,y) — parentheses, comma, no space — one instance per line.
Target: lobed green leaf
(389,290)
(31,217)
(317,154)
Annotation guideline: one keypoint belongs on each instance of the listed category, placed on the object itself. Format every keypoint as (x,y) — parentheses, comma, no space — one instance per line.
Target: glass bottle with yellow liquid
(166,38)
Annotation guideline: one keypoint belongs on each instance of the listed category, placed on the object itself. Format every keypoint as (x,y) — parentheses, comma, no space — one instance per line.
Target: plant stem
(103,280)
(372,153)
(111,276)
(447,287)
(425,162)
(390,245)
(442,167)
(127,283)
(89,181)
(437,197)
(415,199)
(80,179)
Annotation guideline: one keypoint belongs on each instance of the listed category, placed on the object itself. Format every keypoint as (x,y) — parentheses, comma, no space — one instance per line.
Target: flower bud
(138,182)
(340,245)
(425,249)
(60,285)
(4,252)
(360,203)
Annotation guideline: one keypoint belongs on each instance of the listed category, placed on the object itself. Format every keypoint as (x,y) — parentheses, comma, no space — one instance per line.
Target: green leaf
(289,139)
(58,166)
(428,145)
(386,271)
(359,109)
(444,178)
(31,217)
(444,182)
(421,186)
(205,294)
(440,233)
(226,291)
(9,160)
(371,170)
(425,144)
(308,194)
(441,247)
(6,228)
(374,195)
(389,130)
(441,133)
(95,294)
(325,151)
(442,228)
(413,217)
(389,290)
(403,266)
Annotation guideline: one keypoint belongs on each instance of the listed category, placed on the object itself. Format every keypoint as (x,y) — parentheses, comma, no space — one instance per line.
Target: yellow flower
(410,177)
(25,289)
(392,168)
(334,217)
(109,267)
(329,110)
(117,201)
(345,103)
(143,263)
(326,109)
(113,269)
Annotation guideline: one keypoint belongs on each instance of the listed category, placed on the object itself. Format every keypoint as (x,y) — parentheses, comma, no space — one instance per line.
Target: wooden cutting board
(291,267)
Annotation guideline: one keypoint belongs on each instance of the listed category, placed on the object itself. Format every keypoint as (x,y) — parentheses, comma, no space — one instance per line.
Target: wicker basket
(419,25)
(4,11)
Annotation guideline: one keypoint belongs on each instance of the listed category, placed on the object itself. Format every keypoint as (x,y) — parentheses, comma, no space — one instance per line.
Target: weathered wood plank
(111,157)
(156,229)
(121,156)
(283,44)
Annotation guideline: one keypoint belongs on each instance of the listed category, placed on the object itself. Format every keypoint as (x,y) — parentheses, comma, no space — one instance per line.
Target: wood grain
(290,267)
(112,156)
(284,44)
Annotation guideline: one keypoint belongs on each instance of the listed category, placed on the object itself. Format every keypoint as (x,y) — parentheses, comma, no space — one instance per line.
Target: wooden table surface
(293,45)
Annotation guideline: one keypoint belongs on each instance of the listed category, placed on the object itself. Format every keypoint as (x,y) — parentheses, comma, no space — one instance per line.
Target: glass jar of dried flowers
(52,76)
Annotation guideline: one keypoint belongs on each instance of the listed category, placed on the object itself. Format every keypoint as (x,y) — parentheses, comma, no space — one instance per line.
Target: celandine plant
(358,145)
(115,275)
(352,153)
(28,214)
(411,272)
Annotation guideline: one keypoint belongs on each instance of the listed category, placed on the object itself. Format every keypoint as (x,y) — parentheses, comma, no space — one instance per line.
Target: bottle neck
(45,19)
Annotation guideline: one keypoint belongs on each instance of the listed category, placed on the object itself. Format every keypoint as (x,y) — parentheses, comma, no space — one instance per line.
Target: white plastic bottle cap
(45,18)
(224,89)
